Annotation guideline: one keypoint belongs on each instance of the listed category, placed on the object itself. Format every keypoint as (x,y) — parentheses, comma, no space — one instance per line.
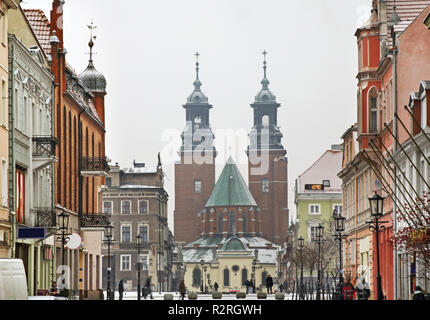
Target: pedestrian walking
(182,289)
(216,286)
(252,286)
(148,288)
(348,291)
(363,290)
(418,293)
(121,288)
(269,284)
(248,285)
(281,288)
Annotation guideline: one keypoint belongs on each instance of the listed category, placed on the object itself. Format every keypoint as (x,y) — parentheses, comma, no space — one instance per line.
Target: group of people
(146,290)
(360,292)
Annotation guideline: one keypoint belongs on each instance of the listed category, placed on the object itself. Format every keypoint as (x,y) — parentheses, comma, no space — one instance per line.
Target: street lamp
(254,262)
(63,222)
(205,268)
(376,212)
(339,223)
(202,263)
(319,239)
(300,247)
(139,263)
(108,241)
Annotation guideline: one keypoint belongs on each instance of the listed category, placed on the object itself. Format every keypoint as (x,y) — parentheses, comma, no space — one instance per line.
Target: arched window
(226,278)
(263,277)
(197,277)
(244,276)
(244,222)
(69,182)
(220,222)
(373,111)
(265,121)
(231,222)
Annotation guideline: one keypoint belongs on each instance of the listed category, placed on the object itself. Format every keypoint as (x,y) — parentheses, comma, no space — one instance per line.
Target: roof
(231,189)
(207,248)
(41,27)
(325,168)
(139,170)
(407,10)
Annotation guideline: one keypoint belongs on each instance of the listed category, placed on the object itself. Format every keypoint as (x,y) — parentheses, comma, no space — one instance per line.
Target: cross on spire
(92,27)
(264,53)
(197,57)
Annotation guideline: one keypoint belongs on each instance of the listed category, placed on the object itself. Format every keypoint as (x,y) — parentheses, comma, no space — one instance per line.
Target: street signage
(315,187)
(31,233)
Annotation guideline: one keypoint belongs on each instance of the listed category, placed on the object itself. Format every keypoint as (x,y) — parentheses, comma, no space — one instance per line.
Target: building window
(125,233)
(265,185)
(197,186)
(197,277)
(312,232)
(109,182)
(373,114)
(3,111)
(4,190)
(125,207)
(263,277)
(144,259)
(424,113)
(143,231)
(125,262)
(143,206)
(244,222)
(326,183)
(107,207)
(226,277)
(244,276)
(20,196)
(314,209)
(220,223)
(338,208)
(232,223)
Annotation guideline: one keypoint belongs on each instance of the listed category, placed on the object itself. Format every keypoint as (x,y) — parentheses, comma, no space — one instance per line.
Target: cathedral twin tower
(230,208)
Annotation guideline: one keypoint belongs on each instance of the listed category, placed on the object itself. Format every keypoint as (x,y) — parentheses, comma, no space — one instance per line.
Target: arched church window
(226,277)
(244,276)
(220,222)
(244,222)
(232,222)
(197,277)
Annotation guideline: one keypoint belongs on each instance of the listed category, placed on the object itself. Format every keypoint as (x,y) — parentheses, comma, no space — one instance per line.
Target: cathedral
(230,231)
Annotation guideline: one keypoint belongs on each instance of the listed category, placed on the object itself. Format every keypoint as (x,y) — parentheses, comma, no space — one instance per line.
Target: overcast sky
(146,51)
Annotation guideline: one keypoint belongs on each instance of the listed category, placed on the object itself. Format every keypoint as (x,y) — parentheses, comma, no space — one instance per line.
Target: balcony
(44,151)
(94,167)
(46,217)
(94,221)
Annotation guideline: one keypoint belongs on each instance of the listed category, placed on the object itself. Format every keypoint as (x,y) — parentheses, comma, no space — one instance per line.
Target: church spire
(197,97)
(265,82)
(197,83)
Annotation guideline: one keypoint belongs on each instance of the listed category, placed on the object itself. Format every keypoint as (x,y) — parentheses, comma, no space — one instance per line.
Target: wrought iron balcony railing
(94,164)
(44,146)
(46,217)
(94,220)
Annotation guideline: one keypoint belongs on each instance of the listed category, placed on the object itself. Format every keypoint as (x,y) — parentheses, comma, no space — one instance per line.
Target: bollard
(279,296)
(168,296)
(216,295)
(192,296)
(240,295)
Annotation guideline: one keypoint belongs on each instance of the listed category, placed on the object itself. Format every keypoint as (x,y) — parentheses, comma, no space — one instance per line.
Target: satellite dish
(378,185)
(74,241)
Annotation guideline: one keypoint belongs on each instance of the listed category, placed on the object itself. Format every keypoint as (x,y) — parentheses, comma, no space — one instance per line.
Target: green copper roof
(234,244)
(230,189)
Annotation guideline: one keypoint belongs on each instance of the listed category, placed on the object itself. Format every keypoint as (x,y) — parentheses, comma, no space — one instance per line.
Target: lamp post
(376,211)
(63,222)
(209,282)
(108,241)
(319,239)
(202,263)
(254,262)
(139,264)
(300,248)
(205,268)
(339,222)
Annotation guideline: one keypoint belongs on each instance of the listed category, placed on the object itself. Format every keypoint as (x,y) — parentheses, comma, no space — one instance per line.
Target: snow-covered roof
(140,170)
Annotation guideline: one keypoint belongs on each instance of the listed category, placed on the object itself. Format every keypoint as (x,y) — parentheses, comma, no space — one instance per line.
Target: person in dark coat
(247,284)
(418,294)
(182,289)
(216,286)
(269,284)
(363,290)
(251,284)
(148,288)
(348,291)
(121,288)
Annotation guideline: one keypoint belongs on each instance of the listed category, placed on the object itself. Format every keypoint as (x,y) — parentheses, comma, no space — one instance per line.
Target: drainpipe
(12,213)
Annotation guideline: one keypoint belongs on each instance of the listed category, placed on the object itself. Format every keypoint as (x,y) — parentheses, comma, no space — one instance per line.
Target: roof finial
(197,83)
(92,37)
(265,82)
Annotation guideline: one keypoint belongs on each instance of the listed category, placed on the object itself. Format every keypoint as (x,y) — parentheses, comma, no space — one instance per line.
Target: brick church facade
(267,169)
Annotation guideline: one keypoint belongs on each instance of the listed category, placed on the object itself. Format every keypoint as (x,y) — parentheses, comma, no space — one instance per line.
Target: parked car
(13,280)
